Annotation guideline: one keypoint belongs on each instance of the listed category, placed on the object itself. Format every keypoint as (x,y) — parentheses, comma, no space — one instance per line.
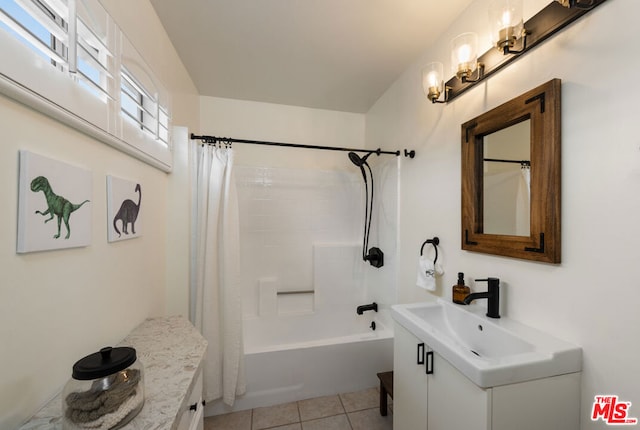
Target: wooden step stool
(386,387)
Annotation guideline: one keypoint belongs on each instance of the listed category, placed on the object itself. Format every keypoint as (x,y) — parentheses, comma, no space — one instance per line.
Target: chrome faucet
(492,296)
(363,308)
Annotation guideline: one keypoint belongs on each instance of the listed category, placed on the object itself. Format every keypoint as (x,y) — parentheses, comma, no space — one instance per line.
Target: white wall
(58,306)
(589,299)
(143,28)
(280,123)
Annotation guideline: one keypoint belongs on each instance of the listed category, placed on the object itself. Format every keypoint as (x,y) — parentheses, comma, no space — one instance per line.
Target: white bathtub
(299,357)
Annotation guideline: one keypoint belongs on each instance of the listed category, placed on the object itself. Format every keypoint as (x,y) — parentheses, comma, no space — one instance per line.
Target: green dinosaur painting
(56,205)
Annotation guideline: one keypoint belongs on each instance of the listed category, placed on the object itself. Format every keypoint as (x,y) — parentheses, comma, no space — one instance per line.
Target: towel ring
(435,242)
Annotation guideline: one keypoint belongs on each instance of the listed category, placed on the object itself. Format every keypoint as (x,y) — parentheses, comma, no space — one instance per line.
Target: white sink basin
(488,351)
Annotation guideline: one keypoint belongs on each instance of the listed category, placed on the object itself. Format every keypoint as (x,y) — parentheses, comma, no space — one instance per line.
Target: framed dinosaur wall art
(54,204)
(124,203)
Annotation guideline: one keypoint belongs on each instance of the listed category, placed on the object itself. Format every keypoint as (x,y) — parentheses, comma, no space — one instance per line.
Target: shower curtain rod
(498,160)
(215,139)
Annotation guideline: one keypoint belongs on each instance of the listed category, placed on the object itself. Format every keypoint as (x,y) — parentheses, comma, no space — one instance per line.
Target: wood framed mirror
(511,177)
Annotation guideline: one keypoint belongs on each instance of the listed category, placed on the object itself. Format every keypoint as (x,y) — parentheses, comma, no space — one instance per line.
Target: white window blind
(41,25)
(144,103)
(101,78)
(93,53)
(138,104)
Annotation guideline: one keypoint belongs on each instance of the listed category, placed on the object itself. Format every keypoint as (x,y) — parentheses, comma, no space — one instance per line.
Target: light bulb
(464,54)
(506,21)
(506,18)
(432,82)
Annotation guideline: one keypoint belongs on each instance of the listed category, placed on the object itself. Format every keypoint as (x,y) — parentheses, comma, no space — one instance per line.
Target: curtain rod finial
(408,153)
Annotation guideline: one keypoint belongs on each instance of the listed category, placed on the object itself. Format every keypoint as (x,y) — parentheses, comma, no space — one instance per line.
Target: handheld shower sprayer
(374,256)
(357,160)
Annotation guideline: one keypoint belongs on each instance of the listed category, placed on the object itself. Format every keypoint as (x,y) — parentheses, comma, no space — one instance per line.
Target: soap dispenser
(460,290)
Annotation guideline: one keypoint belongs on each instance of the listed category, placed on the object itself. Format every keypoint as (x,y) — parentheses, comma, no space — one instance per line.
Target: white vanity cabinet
(446,399)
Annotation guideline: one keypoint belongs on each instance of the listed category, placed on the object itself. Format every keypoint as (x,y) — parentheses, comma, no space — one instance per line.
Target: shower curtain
(523,202)
(216,297)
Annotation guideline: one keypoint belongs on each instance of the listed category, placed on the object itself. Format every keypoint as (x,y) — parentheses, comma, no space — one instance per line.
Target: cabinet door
(191,417)
(409,382)
(549,403)
(454,401)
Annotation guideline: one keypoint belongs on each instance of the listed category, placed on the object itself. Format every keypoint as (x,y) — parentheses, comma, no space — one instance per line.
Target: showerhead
(355,159)
(360,162)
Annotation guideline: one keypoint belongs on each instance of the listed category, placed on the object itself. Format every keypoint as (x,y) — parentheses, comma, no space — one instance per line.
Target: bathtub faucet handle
(363,308)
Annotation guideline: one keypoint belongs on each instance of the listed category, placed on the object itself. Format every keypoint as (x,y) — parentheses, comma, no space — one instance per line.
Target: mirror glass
(506,180)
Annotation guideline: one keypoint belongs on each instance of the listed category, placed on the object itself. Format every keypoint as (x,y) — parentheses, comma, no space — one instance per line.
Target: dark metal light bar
(550,20)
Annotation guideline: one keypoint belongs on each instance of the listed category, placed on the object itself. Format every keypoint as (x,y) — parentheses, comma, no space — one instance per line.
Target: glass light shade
(506,21)
(432,82)
(464,54)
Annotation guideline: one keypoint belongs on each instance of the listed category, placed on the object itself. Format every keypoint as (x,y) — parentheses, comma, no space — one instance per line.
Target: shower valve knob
(375,257)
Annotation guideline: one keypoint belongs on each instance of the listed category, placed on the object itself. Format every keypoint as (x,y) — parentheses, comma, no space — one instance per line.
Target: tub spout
(363,308)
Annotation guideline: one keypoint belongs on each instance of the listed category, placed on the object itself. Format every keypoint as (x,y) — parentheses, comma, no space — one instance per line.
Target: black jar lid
(103,363)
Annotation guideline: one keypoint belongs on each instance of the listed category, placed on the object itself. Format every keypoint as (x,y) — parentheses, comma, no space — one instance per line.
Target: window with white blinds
(73,56)
(41,25)
(93,52)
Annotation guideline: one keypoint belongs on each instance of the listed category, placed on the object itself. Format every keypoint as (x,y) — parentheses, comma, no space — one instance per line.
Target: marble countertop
(171,351)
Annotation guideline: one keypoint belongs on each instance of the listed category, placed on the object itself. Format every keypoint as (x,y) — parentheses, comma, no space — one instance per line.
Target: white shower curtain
(216,301)
(523,202)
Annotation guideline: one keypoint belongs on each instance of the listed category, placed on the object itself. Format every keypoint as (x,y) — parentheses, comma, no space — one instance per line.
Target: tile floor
(348,411)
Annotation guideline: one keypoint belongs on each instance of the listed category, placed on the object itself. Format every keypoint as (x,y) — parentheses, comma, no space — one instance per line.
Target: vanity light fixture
(464,57)
(507,26)
(577,4)
(433,82)
(469,68)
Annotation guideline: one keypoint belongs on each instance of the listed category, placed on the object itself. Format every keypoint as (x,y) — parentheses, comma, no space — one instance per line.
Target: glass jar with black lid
(106,390)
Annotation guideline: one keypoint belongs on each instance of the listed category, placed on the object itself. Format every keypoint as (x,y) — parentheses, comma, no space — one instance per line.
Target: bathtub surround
(216,289)
(382,283)
(297,225)
(267,297)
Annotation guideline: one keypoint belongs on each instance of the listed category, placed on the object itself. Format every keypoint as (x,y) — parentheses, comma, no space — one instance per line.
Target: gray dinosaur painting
(56,205)
(124,209)
(128,214)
